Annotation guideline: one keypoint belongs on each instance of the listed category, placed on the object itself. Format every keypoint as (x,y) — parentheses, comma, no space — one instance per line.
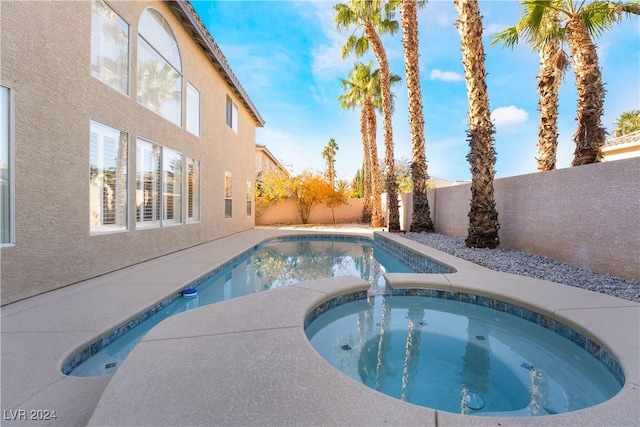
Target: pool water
(269,266)
(459,357)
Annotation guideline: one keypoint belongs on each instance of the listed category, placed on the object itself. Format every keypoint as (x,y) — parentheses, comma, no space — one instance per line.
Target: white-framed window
(193,110)
(158,185)
(193,190)
(232,114)
(159,67)
(228,201)
(249,198)
(109,47)
(7,175)
(171,187)
(108,195)
(148,174)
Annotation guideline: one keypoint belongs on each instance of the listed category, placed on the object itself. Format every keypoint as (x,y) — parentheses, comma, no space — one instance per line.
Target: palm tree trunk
(421,219)
(590,135)
(366,170)
(376,187)
(483,217)
(549,81)
(385,87)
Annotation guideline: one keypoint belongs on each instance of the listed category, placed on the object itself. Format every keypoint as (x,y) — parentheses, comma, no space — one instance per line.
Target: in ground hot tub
(464,354)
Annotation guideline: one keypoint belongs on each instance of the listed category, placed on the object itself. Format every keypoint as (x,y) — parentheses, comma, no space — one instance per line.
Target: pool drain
(473,400)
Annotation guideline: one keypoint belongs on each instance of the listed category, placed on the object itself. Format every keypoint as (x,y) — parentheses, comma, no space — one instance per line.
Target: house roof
(265,150)
(190,20)
(441,182)
(630,138)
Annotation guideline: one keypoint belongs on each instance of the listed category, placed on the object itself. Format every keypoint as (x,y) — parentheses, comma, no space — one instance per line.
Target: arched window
(159,67)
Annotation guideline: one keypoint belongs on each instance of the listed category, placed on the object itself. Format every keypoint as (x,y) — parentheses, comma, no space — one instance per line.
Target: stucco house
(622,147)
(265,160)
(125,136)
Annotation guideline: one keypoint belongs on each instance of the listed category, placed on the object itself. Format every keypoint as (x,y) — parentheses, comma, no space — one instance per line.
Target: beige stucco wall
(46,62)
(263,162)
(587,216)
(285,212)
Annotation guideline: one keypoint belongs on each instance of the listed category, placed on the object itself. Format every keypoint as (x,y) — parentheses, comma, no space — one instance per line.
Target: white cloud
(437,13)
(445,18)
(259,74)
(291,150)
(445,76)
(326,58)
(327,63)
(511,115)
(493,28)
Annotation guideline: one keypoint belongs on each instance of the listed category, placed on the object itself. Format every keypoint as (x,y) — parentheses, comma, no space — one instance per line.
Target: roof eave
(269,154)
(198,31)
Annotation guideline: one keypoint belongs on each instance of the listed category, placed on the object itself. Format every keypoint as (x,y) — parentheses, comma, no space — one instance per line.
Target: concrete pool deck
(247,361)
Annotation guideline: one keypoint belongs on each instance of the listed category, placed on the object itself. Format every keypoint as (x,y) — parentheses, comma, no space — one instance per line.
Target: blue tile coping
(592,347)
(417,261)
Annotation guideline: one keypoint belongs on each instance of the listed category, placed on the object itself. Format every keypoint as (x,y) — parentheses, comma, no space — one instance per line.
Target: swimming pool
(222,365)
(272,264)
(454,353)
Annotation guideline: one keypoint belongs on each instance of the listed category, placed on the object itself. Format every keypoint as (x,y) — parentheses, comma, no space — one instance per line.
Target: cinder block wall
(286,212)
(587,216)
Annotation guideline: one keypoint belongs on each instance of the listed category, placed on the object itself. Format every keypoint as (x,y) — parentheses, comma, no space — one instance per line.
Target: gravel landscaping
(526,264)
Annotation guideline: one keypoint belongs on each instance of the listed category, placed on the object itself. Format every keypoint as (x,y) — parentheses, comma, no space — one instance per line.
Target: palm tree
(362,89)
(421,220)
(579,21)
(483,217)
(628,122)
(329,155)
(553,63)
(372,18)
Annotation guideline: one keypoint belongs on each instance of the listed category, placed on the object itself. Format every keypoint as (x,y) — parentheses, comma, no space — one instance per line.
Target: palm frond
(561,61)
(361,46)
(535,18)
(632,8)
(349,45)
(394,78)
(388,26)
(344,17)
(391,6)
(508,37)
(600,16)
(561,6)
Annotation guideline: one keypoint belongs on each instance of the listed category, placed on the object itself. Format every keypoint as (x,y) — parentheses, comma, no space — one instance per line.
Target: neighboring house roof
(441,182)
(267,153)
(622,147)
(629,138)
(199,33)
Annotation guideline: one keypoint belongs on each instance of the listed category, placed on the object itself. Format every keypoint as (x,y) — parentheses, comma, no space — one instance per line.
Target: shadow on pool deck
(211,366)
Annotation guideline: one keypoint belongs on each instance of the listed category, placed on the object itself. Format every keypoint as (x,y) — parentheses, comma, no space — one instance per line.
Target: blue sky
(287,57)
